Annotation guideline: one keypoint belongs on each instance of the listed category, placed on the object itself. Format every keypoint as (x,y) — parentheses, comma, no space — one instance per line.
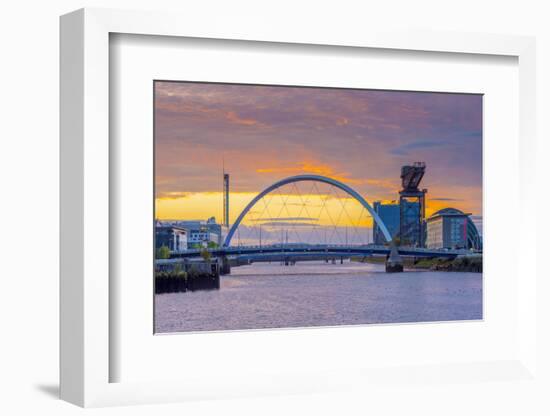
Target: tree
(163,252)
(205,254)
(212,244)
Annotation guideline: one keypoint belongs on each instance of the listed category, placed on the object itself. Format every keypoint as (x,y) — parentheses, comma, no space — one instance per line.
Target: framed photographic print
(263,213)
(284,203)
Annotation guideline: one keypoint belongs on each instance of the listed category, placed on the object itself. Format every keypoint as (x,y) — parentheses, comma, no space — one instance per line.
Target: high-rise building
(389,214)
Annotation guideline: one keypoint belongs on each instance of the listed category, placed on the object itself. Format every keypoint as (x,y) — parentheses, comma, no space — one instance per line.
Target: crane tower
(412,205)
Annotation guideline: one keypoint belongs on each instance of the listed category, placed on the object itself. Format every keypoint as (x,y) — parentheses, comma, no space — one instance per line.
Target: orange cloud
(326,170)
(234,118)
(308,167)
(173,195)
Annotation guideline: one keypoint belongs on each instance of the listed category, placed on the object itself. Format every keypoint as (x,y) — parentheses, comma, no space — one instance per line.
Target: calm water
(316,294)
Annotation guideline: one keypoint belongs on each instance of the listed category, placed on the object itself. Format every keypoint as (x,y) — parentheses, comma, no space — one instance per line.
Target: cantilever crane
(412,204)
(411,175)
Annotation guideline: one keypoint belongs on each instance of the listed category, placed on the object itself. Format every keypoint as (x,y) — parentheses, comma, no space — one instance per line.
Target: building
(389,213)
(200,233)
(175,238)
(447,228)
(405,219)
(452,228)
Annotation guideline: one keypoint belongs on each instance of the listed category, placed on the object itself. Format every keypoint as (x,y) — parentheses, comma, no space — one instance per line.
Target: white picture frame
(86,355)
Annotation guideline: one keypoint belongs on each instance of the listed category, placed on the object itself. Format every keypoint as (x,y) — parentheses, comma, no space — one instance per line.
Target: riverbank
(181,276)
(470,264)
(171,282)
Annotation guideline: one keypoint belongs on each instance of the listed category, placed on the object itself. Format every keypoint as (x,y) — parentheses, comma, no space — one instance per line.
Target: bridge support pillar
(225,266)
(394,262)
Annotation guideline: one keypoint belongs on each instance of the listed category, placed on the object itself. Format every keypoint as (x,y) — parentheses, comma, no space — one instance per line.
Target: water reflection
(317,294)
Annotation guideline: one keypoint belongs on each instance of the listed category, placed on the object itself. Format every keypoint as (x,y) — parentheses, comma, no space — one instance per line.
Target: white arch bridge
(303,251)
(308,178)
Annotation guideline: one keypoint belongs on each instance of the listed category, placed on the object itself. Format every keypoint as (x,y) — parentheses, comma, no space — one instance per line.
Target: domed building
(452,228)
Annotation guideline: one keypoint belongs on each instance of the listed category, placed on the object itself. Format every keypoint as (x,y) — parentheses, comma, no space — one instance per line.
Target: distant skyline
(265,133)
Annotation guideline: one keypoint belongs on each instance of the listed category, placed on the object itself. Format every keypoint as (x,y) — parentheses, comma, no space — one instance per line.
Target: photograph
(301,206)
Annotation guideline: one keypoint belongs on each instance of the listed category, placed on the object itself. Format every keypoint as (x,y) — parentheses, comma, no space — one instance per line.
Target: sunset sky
(265,133)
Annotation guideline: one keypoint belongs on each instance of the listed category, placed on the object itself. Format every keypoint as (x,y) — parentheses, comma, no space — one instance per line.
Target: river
(266,295)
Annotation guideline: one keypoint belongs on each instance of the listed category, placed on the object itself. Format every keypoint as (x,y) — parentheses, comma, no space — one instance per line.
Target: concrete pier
(225,266)
(394,262)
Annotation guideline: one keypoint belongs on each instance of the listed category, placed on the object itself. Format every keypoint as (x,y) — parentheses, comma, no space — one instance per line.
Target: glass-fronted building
(450,228)
(447,229)
(389,213)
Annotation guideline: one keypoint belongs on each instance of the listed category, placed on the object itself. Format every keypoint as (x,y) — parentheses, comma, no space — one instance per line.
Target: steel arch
(305,178)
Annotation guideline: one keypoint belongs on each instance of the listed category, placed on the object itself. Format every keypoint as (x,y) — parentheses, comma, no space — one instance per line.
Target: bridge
(308,178)
(293,253)
(328,251)
(301,250)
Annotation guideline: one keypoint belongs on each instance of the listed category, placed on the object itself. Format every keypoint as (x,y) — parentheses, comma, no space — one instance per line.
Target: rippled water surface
(318,294)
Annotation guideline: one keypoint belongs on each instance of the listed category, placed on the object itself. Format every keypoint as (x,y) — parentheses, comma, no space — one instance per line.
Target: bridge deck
(336,250)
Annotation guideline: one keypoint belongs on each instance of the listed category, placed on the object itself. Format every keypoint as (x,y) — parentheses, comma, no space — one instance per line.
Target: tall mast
(225,195)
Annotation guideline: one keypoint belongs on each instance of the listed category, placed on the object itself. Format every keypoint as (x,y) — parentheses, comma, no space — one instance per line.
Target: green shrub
(163,253)
(171,274)
(193,272)
(205,254)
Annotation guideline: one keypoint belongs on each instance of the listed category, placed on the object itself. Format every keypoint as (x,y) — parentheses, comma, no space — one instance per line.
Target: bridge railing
(325,247)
